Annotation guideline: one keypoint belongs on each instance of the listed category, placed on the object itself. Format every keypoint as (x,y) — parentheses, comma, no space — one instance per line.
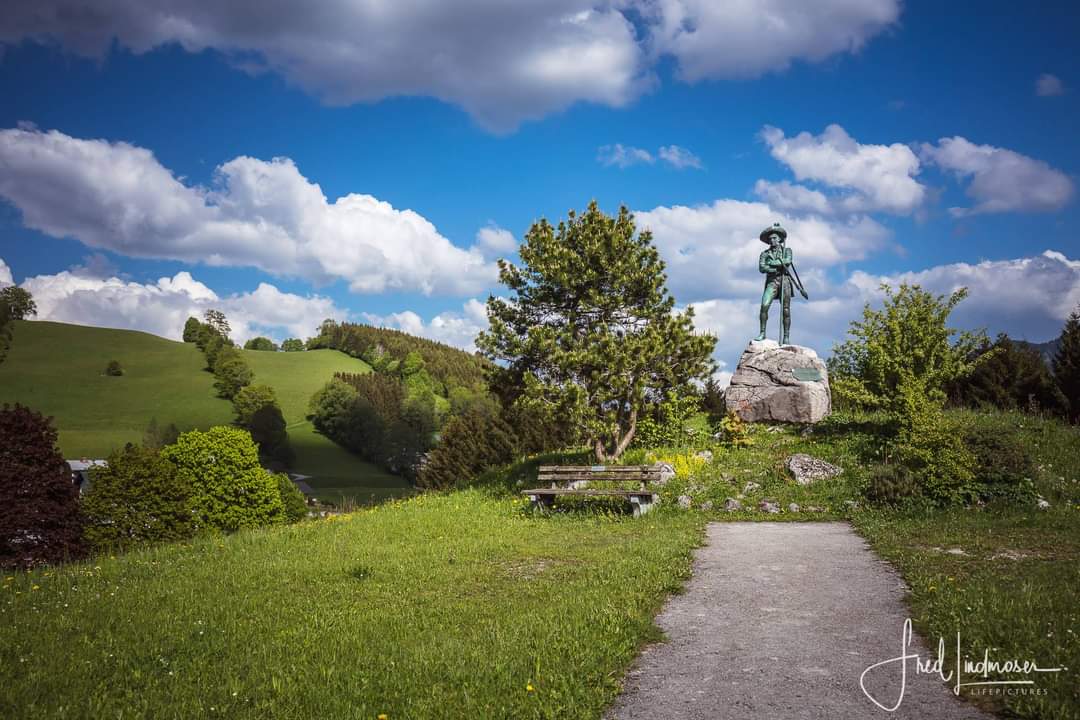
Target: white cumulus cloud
(262,214)
(495,239)
(712,39)
(6,277)
(503,62)
(712,250)
(879,177)
(1001,180)
(162,307)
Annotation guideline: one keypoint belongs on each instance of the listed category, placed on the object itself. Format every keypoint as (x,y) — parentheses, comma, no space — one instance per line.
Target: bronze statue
(780,278)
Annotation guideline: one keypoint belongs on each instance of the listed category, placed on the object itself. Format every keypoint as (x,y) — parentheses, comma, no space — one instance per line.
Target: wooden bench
(577,480)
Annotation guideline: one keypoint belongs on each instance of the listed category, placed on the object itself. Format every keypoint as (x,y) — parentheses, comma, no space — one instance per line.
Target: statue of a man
(781,278)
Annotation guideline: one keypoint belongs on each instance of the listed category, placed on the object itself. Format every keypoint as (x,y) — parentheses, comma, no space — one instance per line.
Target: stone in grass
(732,505)
(750,488)
(685,503)
(793,507)
(1042,504)
(814,509)
(808,469)
(768,506)
(705,455)
(707,506)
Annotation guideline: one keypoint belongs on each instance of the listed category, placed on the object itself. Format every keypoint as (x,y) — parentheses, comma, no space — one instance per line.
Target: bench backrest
(557,474)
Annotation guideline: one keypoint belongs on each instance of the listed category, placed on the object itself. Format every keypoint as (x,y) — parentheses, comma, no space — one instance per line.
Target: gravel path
(779,621)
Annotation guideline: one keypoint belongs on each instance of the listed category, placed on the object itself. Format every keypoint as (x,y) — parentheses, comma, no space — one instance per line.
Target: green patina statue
(781,278)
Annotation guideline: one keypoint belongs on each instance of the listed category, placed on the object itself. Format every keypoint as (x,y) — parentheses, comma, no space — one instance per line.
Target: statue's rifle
(795,277)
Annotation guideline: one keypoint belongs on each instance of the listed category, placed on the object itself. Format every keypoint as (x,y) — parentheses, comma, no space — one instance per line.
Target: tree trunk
(620,448)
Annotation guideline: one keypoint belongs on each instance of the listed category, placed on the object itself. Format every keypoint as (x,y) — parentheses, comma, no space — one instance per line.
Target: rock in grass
(707,506)
(685,503)
(1043,504)
(768,506)
(732,505)
(808,469)
(705,455)
(750,487)
(793,507)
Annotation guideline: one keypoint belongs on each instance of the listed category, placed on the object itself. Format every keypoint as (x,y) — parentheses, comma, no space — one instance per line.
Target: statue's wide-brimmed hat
(774,229)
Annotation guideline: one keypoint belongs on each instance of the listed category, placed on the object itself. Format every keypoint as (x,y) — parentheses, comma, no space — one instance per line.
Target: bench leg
(542,503)
(641,505)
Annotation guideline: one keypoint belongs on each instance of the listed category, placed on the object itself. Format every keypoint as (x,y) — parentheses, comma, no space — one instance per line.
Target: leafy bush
(908,338)
(231,374)
(329,409)
(733,431)
(137,497)
(250,399)
(39,503)
(470,444)
(113,369)
(892,485)
(232,490)
(1006,470)
(191,330)
(260,343)
(931,444)
(292,345)
(292,499)
(665,425)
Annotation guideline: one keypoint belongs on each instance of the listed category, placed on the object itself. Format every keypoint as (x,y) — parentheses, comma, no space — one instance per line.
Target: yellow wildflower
(529,687)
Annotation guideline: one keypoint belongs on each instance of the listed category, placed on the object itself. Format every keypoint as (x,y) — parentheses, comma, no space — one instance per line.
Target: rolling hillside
(58,369)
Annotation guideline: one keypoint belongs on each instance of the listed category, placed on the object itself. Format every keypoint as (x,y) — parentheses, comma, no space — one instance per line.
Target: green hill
(58,369)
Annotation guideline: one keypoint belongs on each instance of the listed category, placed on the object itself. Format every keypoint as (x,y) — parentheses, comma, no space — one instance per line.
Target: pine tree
(1067,365)
(590,328)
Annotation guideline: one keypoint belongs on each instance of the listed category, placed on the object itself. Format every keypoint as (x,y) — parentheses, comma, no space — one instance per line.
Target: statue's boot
(764,318)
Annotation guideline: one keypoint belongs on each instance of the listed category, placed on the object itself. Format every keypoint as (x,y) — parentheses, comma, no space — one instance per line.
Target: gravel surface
(779,621)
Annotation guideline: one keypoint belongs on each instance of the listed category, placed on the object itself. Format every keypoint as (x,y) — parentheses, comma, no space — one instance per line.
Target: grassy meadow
(58,370)
(442,606)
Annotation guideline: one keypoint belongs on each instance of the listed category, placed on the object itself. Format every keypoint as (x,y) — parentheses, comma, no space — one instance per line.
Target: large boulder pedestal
(779,383)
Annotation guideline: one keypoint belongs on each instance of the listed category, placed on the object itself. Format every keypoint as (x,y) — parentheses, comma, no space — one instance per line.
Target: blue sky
(138,144)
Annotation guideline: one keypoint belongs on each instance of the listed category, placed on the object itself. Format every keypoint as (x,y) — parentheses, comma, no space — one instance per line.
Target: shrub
(250,399)
(892,485)
(260,343)
(931,444)
(292,499)
(232,490)
(665,426)
(1006,469)
(231,374)
(470,444)
(113,369)
(39,503)
(733,431)
(908,338)
(329,409)
(267,427)
(191,330)
(137,497)
(292,345)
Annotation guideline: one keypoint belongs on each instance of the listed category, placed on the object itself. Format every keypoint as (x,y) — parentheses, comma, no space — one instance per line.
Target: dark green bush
(470,444)
(1005,469)
(39,504)
(138,497)
(295,503)
(113,369)
(892,485)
